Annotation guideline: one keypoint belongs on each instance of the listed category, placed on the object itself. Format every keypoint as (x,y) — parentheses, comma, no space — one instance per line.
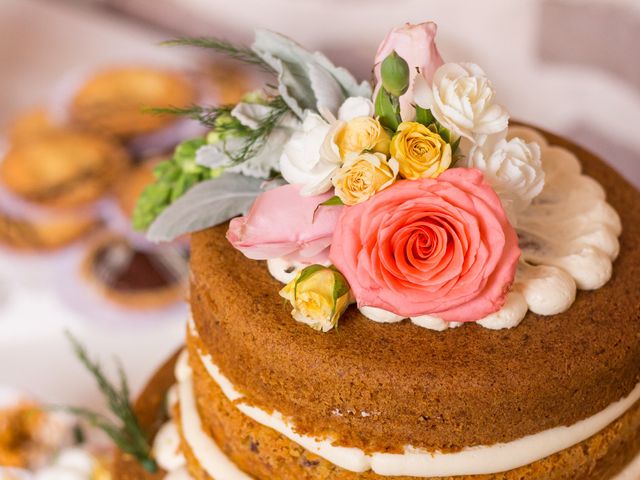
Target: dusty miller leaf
(205,205)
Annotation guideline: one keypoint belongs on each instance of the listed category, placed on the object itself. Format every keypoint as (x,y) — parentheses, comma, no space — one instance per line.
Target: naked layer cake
(409,286)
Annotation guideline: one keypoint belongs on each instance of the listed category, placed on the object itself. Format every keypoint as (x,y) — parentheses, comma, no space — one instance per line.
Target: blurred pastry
(30,435)
(229,81)
(135,277)
(45,232)
(30,124)
(63,169)
(111,102)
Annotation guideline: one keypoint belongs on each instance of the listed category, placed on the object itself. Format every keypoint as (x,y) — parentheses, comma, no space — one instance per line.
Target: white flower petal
(355,107)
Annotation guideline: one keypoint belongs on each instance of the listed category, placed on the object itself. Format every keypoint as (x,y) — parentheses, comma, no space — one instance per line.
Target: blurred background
(571,66)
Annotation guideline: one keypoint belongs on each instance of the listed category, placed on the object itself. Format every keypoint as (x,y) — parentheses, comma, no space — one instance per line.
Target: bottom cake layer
(246,446)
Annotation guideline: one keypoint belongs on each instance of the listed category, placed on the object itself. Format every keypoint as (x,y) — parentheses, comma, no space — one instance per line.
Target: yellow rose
(420,152)
(319,295)
(363,176)
(360,134)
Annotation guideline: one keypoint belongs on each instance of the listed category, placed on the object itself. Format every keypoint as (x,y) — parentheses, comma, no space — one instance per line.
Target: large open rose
(440,247)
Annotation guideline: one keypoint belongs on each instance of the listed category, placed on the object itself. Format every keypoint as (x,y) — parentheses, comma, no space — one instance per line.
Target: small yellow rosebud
(363,176)
(319,295)
(420,152)
(360,134)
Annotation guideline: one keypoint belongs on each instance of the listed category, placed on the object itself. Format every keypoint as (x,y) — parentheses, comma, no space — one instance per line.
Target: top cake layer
(380,387)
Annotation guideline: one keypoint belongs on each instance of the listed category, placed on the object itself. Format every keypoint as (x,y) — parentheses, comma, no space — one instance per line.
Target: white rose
(306,158)
(513,168)
(301,162)
(461,99)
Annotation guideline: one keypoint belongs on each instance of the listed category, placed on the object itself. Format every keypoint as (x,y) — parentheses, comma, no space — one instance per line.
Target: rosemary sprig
(205,115)
(255,139)
(127,434)
(241,53)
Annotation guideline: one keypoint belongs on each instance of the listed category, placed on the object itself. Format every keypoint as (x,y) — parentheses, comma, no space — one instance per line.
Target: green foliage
(426,118)
(388,110)
(237,52)
(254,139)
(206,115)
(174,177)
(335,200)
(126,431)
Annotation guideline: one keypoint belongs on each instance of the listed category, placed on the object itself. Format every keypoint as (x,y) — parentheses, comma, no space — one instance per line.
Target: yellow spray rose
(319,295)
(364,175)
(360,134)
(420,152)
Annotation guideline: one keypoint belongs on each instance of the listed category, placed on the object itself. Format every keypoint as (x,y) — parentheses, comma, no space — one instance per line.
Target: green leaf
(385,109)
(444,133)
(424,116)
(455,145)
(341,286)
(335,200)
(305,274)
(204,205)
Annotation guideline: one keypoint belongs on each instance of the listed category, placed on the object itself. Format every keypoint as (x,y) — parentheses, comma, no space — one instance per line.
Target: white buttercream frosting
(416,462)
(568,237)
(205,449)
(166,448)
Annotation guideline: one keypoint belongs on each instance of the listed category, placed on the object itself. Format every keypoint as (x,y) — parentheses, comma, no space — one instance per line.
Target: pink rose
(281,223)
(416,45)
(440,247)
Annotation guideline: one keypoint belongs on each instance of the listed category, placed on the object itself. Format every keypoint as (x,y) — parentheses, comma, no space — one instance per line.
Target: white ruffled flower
(513,168)
(306,158)
(461,99)
(301,161)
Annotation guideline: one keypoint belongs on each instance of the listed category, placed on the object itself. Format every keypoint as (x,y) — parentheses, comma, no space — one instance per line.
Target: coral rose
(282,222)
(440,247)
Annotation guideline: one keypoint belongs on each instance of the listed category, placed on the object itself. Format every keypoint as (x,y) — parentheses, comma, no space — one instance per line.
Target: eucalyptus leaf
(326,89)
(349,84)
(207,204)
(294,85)
(305,76)
(251,114)
(217,155)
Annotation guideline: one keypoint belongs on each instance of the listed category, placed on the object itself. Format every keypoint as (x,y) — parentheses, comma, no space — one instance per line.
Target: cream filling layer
(211,458)
(415,462)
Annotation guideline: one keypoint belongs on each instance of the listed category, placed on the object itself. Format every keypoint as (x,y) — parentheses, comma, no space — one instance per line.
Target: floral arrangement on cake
(403,196)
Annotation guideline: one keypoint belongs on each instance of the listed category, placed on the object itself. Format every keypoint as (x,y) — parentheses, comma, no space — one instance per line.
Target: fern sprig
(127,434)
(241,53)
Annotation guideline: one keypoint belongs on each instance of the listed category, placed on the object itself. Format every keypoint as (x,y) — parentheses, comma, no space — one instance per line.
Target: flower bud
(395,74)
(319,295)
